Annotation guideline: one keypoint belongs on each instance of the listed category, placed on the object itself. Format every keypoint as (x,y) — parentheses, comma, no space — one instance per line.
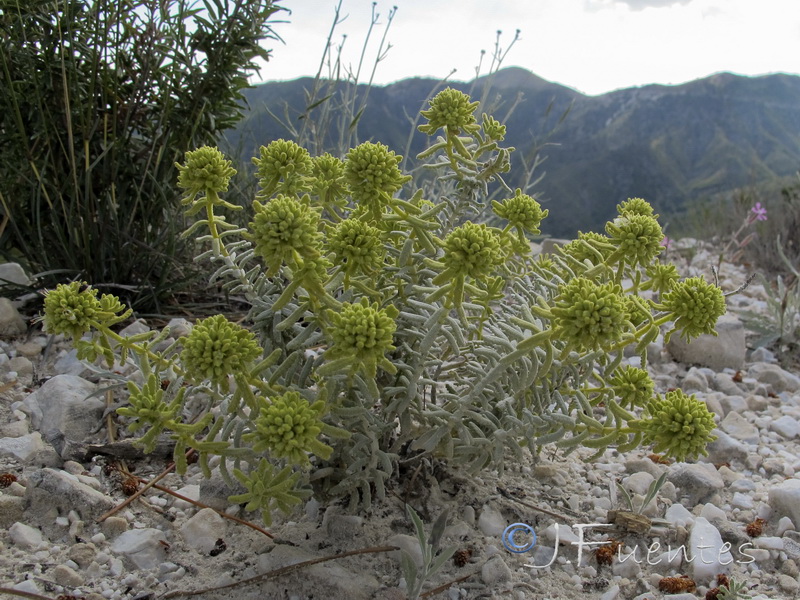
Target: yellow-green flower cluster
(678,425)
(471,251)
(205,170)
(636,206)
(216,348)
(589,245)
(493,128)
(372,174)
(285,230)
(637,239)
(363,333)
(283,167)
(661,277)
(638,309)
(632,386)
(73,309)
(589,316)
(452,110)
(328,178)
(356,245)
(522,212)
(695,305)
(287,427)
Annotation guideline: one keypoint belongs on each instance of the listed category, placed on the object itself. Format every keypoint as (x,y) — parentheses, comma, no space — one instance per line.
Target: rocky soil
(736,512)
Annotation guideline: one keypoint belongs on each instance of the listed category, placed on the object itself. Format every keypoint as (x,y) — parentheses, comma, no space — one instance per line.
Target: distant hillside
(668,144)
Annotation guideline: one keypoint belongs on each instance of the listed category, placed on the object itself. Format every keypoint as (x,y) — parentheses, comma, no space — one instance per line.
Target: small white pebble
(98,538)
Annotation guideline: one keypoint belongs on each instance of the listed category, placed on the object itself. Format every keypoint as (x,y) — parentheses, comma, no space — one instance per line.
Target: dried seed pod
(755,529)
(130,486)
(674,585)
(6,479)
(659,460)
(461,557)
(604,555)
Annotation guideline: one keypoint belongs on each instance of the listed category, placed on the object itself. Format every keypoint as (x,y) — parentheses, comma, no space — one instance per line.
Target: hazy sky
(593,46)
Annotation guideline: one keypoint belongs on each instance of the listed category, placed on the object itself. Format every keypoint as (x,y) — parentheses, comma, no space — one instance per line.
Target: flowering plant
(385,328)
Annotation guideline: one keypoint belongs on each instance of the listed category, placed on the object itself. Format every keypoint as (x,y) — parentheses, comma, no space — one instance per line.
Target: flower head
(287,427)
(284,167)
(661,277)
(71,309)
(372,173)
(472,251)
(493,128)
(636,206)
(589,245)
(356,245)
(666,243)
(521,211)
(637,309)
(678,425)
(205,170)
(216,348)
(452,110)
(637,238)
(632,386)
(284,230)
(757,213)
(590,316)
(328,178)
(696,305)
(363,333)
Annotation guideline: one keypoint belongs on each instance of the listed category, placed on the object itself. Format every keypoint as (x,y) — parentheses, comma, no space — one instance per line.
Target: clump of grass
(100,100)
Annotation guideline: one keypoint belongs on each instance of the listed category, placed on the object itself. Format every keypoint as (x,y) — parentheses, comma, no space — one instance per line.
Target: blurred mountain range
(671,145)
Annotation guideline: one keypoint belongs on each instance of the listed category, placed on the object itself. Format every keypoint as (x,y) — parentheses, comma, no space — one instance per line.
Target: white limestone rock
(11,322)
(786,427)
(13,273)
(711,555)
(784,499)
(774,376)
(725,350)
(61,408)
(24,536)
(495,572)
(202,531)
(142,547)
(697,481)
(491,522)
(50,490)
(740,428)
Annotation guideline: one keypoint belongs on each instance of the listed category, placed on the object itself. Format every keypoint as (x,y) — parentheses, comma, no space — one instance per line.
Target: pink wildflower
(759,213)
(667,243)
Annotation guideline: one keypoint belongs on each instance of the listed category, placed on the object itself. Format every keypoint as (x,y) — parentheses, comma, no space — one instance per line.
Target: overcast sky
(593,46)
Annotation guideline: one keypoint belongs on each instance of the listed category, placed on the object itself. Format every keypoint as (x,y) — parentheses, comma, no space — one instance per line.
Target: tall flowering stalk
(756,213)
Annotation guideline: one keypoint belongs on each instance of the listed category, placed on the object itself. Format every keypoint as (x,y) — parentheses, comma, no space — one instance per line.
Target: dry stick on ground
(282,571)
(446,586)
(22,594)
(138,493)
(166,490)
(510,496)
